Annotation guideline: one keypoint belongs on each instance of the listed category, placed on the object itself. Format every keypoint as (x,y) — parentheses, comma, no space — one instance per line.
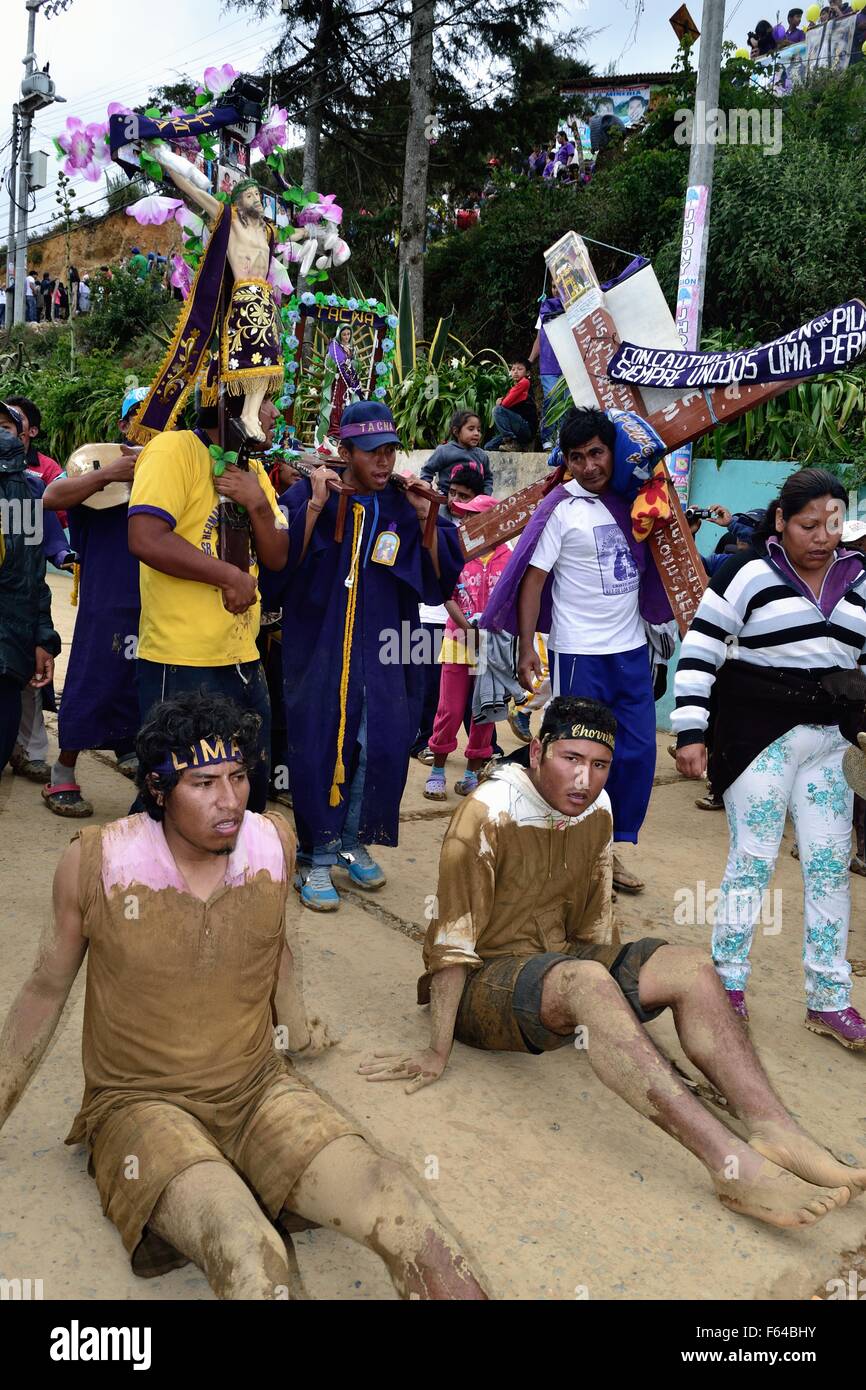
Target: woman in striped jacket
(776,649)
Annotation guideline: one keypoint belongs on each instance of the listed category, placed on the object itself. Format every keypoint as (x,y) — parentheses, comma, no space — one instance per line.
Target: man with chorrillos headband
(524,955)
(194,997)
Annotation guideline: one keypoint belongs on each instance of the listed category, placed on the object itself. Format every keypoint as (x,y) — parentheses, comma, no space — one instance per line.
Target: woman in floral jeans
(781,633)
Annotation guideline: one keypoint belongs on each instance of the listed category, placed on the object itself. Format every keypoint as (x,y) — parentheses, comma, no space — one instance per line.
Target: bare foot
(801,1154)
(778,1197)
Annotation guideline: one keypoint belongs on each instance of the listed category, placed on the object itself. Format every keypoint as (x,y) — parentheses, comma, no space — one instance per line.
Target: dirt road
(556,1189)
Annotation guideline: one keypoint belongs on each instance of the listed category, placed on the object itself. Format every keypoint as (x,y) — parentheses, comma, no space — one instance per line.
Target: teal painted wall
(739,485)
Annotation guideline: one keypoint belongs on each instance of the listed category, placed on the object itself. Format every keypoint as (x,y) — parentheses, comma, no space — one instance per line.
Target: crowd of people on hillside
(767,38)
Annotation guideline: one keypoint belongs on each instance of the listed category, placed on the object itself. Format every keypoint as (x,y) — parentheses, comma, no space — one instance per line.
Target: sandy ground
(555,1188)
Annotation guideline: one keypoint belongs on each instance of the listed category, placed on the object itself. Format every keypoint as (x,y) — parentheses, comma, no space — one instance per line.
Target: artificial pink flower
(153,210)
(85,147)
(218,80)
(273,134)
(181,275)
(117,108)
(328,208)
(192,225)
(278,279)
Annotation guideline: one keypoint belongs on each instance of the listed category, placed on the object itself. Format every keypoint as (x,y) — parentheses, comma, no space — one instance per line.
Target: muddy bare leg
(210,1215)
(715,1039)
(356,1191)
(623,1056)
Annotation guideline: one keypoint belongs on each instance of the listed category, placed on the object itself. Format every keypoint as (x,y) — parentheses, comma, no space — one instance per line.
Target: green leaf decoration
(230,457)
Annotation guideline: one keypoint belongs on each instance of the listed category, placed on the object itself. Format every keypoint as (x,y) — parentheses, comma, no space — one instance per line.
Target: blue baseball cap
(132,398)
(367,425)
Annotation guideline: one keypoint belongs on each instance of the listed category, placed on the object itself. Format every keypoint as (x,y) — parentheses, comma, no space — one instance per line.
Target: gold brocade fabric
(250,341)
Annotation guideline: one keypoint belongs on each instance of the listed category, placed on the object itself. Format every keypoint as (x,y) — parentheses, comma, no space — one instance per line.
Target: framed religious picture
(227,178)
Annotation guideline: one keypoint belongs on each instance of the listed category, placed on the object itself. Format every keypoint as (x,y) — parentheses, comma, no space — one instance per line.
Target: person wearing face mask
(780,633)
(28,640)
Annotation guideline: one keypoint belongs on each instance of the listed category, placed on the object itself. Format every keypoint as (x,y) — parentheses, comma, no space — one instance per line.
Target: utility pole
(37,91)
(696,220)
(10,239)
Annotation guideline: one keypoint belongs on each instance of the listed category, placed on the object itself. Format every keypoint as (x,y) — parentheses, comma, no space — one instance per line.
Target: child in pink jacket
(458,656)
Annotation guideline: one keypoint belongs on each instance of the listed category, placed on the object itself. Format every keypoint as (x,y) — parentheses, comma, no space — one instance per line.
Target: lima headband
(203,753)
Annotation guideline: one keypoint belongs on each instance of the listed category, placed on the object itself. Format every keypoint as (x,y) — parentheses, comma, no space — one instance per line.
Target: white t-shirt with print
(595,578)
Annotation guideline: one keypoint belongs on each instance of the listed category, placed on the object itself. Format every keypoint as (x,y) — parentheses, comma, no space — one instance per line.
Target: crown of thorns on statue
(241,188)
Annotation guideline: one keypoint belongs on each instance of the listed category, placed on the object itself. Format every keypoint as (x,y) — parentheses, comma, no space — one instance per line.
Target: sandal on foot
(467,784)
(127,767)
(66,800)
(34,769)
(625,881)
(434,789)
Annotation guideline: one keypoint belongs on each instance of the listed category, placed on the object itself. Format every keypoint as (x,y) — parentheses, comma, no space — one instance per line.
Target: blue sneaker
(362,868)
(318,892)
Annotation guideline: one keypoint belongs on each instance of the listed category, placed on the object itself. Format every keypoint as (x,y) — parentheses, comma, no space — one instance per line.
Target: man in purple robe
(99,707)
(353,651)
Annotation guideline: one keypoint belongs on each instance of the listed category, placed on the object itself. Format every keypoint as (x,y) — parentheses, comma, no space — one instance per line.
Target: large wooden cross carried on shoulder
(687,417)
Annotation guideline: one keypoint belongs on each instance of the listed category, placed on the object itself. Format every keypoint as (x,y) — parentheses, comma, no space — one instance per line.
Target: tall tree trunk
(313,132)
(413,222)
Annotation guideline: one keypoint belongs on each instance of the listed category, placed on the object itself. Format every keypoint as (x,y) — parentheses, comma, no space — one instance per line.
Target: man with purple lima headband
(353,650)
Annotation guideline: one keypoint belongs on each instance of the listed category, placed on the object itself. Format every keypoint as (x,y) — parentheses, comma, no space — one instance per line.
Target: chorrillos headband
(581,731)
(204,753)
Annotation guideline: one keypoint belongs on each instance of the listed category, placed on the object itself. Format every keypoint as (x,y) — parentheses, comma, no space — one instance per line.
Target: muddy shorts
(500,1008)
(142,1145)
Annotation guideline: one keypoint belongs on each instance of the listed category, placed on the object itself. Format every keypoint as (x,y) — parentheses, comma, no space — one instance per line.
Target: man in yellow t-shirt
(199,614)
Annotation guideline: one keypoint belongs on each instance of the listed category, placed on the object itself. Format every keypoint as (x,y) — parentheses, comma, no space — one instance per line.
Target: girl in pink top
(458,656)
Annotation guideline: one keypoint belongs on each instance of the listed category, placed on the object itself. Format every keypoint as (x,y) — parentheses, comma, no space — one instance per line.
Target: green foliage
(122,307)
(78,407)
(493,273)
(120,192)
(426,398)
(822,422)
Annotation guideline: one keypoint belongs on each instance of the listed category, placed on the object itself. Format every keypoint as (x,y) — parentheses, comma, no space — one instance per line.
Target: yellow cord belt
(351,583)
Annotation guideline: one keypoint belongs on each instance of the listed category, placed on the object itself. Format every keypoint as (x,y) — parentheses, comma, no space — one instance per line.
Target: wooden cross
(684,420)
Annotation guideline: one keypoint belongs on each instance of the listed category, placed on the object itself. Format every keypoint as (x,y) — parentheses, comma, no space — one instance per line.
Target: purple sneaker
(845,1025)
(737,1001)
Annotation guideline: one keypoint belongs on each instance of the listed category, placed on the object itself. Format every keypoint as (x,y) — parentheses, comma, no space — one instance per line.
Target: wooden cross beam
(683,421)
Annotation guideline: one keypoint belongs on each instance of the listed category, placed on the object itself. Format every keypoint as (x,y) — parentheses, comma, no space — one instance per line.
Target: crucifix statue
(682,419)
(250,353)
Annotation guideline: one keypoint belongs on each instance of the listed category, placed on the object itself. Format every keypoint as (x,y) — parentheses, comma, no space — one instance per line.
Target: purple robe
(314,599)
(99,705)
(500,615)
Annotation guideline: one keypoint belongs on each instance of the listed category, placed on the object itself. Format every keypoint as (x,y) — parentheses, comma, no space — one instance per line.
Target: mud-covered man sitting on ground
(524,951)
(192,990)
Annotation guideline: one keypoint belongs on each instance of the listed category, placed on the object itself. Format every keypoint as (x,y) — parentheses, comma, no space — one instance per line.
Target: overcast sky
(104,50)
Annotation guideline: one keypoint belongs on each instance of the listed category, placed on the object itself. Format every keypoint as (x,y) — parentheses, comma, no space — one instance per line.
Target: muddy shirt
(178,998)
(517,878)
